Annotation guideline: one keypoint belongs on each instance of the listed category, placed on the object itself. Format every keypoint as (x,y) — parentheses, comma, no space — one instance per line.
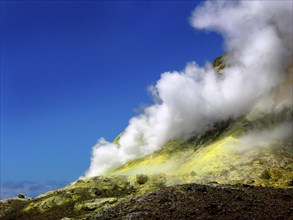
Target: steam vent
(224,152)
(201,177)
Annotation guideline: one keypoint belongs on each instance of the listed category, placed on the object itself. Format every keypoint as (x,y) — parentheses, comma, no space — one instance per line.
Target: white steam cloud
(258,38)
(265,138)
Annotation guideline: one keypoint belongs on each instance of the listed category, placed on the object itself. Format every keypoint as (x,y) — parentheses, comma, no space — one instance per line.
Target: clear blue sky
(74,71)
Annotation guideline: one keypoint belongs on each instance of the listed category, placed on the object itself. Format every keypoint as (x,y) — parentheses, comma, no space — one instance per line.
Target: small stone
(80,182)
(21,196)
(97,191)
(189,188)
(112,200)
(141,179)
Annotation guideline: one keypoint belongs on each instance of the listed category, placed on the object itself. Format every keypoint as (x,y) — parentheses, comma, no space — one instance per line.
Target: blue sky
(74,71)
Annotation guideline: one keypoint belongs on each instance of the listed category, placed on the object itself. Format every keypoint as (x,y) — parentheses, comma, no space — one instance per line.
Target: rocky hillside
(244,167)
(215,155)
(255,148)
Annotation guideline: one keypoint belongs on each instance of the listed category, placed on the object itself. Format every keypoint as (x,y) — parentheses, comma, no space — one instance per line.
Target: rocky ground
(194,201)
(189,201)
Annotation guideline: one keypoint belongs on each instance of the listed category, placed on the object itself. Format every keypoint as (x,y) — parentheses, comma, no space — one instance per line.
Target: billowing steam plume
(258,39)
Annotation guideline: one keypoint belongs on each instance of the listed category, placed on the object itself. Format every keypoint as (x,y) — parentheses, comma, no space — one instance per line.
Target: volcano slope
(237,169)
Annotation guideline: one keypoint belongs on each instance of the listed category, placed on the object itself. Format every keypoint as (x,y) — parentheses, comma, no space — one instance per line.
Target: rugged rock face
(235,182)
